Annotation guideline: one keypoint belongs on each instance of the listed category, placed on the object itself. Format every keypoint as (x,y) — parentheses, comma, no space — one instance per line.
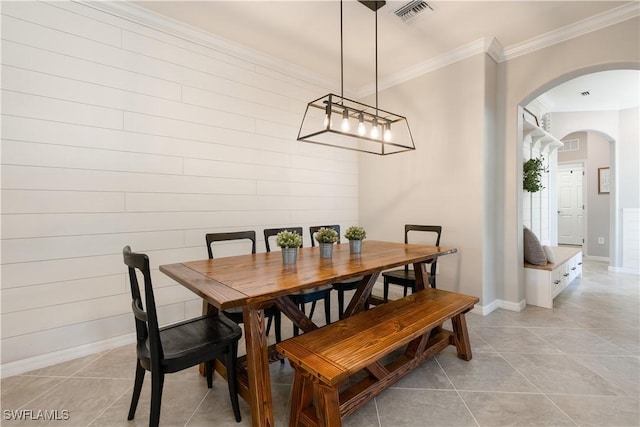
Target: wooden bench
(325,359)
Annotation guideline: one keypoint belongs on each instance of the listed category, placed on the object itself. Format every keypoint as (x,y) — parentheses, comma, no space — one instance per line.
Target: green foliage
(355,233)
(531,175)
(288,239)
(327,235)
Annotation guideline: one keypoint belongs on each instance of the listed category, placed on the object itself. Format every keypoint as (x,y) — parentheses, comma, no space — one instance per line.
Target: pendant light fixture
(339,122)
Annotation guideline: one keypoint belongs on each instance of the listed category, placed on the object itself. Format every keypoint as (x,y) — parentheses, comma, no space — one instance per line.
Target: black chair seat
(186,343)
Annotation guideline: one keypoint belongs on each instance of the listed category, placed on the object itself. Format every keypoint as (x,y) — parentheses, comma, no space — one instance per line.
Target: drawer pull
(573,268)
(556,282)
(579,263)
(566,274)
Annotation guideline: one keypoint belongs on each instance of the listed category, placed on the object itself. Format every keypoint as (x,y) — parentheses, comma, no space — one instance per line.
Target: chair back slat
(234,235)
(146,320)
(314,229)
(437,229)
(272,232)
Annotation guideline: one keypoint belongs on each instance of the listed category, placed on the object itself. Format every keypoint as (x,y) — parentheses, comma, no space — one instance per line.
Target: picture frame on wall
(604,176)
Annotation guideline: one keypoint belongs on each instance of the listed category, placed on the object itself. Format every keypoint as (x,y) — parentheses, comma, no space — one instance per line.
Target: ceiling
(306,34)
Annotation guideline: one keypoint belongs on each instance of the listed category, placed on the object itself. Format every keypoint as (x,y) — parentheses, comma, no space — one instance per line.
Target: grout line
(539,390)
(197,407)
(458,393)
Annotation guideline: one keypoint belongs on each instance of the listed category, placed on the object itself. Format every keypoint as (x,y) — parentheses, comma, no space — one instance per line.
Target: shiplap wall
(116,133)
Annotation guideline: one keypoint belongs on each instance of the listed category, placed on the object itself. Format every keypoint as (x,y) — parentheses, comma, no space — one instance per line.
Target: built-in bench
(325,359)
(544,282)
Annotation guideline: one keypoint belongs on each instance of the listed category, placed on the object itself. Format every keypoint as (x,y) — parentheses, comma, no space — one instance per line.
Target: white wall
(443,181)
(114,133)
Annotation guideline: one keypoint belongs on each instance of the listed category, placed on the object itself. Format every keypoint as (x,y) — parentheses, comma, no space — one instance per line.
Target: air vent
(412,9)
(585,93)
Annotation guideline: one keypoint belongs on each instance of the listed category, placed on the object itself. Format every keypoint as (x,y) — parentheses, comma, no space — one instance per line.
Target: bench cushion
(337,351)
(533,252)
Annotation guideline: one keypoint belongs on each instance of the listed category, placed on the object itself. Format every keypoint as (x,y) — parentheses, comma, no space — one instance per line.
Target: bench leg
(461,336)
(327,405)
(301,396)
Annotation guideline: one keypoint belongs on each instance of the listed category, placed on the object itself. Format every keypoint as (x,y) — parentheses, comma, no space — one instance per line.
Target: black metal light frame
(325,108)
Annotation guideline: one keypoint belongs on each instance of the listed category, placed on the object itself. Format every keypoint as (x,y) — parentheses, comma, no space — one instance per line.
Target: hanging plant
(531,175)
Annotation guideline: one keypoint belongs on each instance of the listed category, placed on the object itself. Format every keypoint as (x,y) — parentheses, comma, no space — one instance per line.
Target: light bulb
(375,133)
(361,128)
(345,121)
(387,133)
(327,115)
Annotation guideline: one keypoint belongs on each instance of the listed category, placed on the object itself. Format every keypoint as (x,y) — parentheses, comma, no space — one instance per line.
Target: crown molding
(487,45)
(588,25)
(141,16)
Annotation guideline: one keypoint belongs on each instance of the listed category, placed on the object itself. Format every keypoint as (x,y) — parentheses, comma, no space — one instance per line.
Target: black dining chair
(271,313)
(340,287)
(406,277)
(308,295)
(178,346)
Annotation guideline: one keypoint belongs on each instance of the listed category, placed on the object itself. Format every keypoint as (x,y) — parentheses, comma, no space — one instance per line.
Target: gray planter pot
(355,246)
(289,255)
(326,250)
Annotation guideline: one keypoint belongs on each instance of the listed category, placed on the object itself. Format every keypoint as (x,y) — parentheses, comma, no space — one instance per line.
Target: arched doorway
(608,124)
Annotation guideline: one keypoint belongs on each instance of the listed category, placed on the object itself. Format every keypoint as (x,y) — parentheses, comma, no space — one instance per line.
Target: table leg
(461,335)
(422,276)
(359,300)
(260,398)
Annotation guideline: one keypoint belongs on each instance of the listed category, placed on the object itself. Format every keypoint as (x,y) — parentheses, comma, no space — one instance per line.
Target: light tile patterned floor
(578,364)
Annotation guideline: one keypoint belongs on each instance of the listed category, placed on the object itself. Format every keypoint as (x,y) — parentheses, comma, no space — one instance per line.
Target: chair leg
(269,324)
(313,308)
(232,356)
(209,372)
(340,303)
(157,382)
(386,290)
(405,291)
(277,320)
(137,388)
(327,308)
(296,330)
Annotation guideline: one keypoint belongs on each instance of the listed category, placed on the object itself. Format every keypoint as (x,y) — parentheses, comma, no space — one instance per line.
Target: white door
(570,204)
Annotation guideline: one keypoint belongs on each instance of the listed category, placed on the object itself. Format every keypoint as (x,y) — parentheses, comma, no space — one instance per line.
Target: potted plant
(326,237)
(531,174)
(355,235)
(289,242)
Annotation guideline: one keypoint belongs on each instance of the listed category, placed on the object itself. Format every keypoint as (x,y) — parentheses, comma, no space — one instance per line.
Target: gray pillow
(533,252)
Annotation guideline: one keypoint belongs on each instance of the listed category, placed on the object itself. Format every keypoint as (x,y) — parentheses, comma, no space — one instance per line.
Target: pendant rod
(341,57)
(376,62)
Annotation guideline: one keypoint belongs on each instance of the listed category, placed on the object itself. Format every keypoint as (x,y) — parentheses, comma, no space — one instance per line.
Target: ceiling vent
(412,9)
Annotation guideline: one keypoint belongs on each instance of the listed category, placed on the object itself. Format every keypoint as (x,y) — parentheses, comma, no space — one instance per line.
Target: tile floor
(578,364)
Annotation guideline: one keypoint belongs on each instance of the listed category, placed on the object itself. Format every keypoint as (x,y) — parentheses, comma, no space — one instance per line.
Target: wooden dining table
(256,281)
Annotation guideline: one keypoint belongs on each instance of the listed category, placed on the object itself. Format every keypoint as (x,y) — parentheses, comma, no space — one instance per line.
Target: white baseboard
(625,270)
(596,258)
(498,303)
(49,359)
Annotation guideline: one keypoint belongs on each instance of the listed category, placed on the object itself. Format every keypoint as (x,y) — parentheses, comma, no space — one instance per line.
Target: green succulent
(355,233)
(288,239)
(326,235)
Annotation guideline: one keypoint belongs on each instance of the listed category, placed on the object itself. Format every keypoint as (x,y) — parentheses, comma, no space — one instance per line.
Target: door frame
(585,213)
